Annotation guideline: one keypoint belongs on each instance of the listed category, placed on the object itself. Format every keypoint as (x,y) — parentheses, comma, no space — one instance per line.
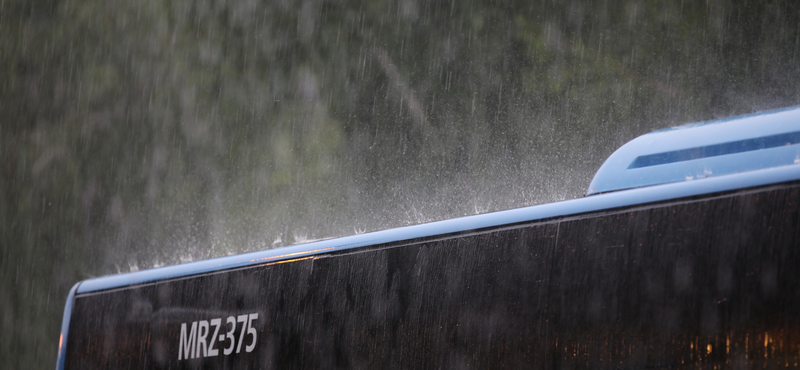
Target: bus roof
(751,150)
(655,167)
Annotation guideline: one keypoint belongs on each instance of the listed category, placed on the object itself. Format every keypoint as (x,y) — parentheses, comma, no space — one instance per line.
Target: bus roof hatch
(695,151)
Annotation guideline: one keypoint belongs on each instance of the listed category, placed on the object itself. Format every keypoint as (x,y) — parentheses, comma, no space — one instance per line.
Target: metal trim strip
(62,340)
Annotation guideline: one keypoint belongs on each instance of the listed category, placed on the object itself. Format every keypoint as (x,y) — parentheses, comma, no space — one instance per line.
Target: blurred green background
(140,133)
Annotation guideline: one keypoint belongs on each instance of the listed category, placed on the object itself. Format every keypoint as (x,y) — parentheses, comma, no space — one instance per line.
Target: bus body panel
(701,281)
(698,266)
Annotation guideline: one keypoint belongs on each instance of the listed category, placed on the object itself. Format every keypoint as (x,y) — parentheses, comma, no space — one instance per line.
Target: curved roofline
(543,212)
(62,339)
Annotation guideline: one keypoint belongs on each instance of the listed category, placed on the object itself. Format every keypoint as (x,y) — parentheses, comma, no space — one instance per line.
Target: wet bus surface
(684,254)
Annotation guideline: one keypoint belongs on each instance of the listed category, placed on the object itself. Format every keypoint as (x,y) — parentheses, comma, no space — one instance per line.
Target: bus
(685,253)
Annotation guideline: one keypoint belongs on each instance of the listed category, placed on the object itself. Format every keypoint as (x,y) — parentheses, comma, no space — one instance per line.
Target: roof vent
(696,151)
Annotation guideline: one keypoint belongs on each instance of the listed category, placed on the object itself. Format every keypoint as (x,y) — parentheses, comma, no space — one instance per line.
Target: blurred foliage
(140,133)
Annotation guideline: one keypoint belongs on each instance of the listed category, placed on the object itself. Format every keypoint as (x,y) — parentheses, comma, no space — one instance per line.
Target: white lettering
(242,319)
(186,345)
(230,336)
(195,342)
(211,350)
(251,331)
(202,333)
